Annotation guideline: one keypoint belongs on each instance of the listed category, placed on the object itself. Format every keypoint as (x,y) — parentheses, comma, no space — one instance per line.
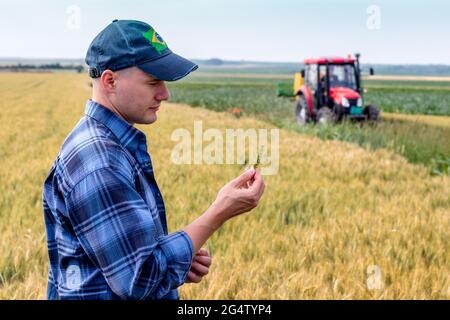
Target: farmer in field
(104,214)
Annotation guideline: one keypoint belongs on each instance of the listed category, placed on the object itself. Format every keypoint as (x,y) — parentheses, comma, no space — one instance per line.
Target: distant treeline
(43,67)
(412,69)
(218,65)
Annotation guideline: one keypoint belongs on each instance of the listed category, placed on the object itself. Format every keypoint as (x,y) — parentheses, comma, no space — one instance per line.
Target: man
(105,217)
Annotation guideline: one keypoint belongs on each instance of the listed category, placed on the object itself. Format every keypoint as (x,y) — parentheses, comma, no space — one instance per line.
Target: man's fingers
(243,178)
(257,186)
(200,266)
(204,260)
(202,252)
(192,277)
(199,269)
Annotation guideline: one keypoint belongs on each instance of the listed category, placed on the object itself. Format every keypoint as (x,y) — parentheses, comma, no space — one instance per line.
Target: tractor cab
(329,89)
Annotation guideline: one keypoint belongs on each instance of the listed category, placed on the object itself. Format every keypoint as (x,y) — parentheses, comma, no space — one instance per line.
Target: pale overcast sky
(384,31)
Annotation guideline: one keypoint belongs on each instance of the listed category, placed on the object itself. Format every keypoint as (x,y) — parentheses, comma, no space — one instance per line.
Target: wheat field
(333,214)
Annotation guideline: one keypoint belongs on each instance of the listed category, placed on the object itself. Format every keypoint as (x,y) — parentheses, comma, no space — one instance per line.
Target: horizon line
(243,60)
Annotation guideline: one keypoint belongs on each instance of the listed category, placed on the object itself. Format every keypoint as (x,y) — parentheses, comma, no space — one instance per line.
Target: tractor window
(311,76)
(342,76)
(323,76)
(323,84)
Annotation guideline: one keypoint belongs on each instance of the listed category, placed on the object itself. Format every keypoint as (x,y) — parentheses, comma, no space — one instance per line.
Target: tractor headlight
(359,102)
(345,103)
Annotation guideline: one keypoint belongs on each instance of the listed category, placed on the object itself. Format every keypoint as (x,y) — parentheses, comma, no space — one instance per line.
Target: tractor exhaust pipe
(357,55)
(358,73)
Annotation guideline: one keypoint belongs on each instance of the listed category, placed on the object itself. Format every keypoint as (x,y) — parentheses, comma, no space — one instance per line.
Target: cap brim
(171,67)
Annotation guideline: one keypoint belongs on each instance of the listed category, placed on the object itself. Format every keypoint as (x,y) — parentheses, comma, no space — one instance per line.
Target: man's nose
(163,94)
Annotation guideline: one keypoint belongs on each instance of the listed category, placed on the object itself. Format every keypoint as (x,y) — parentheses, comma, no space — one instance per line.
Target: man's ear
(108,80)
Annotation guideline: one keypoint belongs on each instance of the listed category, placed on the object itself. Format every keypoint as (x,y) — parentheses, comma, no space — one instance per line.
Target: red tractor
(329,90)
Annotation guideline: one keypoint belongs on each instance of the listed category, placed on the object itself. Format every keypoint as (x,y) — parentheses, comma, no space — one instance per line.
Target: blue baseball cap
(127,43)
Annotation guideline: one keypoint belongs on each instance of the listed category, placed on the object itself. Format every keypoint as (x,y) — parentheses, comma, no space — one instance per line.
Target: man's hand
(200,266)
(240,195)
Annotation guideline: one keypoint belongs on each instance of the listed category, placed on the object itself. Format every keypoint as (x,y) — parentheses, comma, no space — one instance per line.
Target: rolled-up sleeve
(118,232)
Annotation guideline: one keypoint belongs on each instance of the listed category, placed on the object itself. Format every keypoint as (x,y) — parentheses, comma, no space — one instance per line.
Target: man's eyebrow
(153,80)
(150,77)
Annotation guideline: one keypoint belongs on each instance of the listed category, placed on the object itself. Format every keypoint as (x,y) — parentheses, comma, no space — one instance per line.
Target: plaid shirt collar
(130,137)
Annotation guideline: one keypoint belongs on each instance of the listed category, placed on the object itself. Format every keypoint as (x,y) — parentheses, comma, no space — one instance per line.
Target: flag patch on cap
(155,40)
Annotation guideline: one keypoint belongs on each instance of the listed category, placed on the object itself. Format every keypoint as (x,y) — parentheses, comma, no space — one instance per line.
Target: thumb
(202,252)
(244,177)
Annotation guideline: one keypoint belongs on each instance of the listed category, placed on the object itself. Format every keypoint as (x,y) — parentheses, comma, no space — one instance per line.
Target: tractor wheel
(339,112)
(325,116)
(372,114)
(302,112)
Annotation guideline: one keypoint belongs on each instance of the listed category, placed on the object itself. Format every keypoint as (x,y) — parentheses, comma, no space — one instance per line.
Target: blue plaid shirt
(105,218)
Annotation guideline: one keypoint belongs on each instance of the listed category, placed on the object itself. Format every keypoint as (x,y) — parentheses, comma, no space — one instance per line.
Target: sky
(383,31)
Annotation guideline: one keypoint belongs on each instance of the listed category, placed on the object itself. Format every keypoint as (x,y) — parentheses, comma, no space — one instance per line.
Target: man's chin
(147,118)
(150,119)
